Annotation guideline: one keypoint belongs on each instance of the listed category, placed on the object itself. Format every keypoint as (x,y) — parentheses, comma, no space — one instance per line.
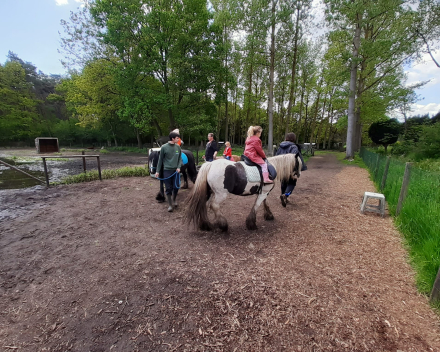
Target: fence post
(404,188)
(385,173)
(99,167)
(45,172)
(84,161)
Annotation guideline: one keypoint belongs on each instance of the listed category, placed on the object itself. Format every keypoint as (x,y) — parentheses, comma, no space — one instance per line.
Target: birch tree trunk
(352,97)
(271,81)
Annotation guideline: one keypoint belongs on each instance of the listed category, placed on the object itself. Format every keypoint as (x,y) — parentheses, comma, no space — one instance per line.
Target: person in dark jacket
(211,148)
(289,146)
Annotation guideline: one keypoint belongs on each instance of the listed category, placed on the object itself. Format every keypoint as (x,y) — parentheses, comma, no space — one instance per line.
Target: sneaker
(283,200)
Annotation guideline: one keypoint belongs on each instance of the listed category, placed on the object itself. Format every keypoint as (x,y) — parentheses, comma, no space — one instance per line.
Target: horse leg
(185,179)
(267,213)
(160,197)
(251,220)
(219,220)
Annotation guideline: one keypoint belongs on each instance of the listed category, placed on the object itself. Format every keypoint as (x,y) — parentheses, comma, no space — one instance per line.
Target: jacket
(228,152)
(170,157)
(254,150)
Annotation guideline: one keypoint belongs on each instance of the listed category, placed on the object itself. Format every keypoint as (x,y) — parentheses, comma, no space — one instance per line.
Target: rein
(175,182)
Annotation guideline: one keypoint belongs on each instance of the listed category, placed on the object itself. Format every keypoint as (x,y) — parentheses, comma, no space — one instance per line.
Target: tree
(18,105)
(385,132)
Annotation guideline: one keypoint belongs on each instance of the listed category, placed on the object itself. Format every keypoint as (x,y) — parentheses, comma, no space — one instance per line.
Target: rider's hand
(156,175)
(177,170)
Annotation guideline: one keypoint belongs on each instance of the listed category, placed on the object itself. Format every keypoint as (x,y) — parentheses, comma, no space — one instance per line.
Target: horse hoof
(269,217)
(205,226)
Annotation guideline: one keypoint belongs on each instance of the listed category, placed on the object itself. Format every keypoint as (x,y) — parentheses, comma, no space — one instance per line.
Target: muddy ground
(102,267)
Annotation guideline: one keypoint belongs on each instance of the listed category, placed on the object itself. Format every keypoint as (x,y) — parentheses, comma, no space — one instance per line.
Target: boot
(266,178)
(170,203)
(174,200)
(283,200)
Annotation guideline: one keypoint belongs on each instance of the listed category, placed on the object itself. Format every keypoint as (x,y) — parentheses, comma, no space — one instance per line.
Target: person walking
(289,146)
(170,158)
(254,150)
(211,148)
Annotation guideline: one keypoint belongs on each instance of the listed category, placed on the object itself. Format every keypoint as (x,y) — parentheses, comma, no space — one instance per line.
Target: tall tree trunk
(306,118)
(352,96)
(226,103)
(330,129)
(157,126)
(292,79)
(271,81)
(315,117)
(301,105)
(139,139)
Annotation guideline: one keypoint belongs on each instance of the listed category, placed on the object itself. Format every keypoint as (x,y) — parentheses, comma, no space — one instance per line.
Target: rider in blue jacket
(289,146)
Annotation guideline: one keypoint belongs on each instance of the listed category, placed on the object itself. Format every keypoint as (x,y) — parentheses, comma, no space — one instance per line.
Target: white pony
(220,177)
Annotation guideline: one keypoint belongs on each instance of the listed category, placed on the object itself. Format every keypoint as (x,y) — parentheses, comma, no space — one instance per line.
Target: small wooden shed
(47,145)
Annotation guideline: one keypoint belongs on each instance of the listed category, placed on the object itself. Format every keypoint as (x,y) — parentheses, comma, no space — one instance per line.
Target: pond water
(13,179)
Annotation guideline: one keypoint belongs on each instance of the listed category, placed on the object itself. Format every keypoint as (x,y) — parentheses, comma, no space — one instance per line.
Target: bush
(429,143)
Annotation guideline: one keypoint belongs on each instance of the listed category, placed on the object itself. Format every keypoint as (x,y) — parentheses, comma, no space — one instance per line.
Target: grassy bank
(419,219)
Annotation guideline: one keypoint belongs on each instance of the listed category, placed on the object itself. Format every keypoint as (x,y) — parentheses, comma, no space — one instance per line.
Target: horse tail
(192,171)
(196,211)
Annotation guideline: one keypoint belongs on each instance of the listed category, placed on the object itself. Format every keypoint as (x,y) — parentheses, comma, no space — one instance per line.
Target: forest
(140,68)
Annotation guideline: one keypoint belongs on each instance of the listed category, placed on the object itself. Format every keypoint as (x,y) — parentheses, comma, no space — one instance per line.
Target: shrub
(429,143)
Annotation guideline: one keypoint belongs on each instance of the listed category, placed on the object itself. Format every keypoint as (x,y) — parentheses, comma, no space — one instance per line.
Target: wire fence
(419,215)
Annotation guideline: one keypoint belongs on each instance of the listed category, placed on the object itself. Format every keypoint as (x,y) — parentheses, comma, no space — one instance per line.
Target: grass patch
(104,151)
(57,159)
(419,219)
(137,171)
(72,150)
(129,150)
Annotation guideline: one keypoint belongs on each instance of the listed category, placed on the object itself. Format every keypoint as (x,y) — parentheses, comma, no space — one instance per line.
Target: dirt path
(103,267)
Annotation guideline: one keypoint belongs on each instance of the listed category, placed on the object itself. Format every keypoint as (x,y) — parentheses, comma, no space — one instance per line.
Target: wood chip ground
(101,266)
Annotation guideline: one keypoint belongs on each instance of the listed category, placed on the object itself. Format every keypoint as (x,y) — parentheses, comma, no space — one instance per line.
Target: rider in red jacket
(254,150)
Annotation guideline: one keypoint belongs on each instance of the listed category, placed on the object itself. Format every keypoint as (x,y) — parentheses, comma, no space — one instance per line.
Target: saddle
(270,168)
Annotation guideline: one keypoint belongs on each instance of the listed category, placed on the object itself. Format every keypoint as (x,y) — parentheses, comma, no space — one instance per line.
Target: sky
(30,29)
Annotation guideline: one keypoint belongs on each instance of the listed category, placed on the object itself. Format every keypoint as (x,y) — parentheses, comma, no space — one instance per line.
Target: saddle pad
(184,159)
(252,173)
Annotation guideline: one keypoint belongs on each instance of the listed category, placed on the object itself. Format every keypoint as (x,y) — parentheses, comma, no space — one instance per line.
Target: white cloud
(431,109)
(425,70)
(62,2)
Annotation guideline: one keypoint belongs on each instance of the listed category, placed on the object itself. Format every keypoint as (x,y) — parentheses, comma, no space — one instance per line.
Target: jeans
(288,187)
(170,182)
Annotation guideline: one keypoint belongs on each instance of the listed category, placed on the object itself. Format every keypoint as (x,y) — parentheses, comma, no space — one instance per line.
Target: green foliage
(429,143)
(18,104)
